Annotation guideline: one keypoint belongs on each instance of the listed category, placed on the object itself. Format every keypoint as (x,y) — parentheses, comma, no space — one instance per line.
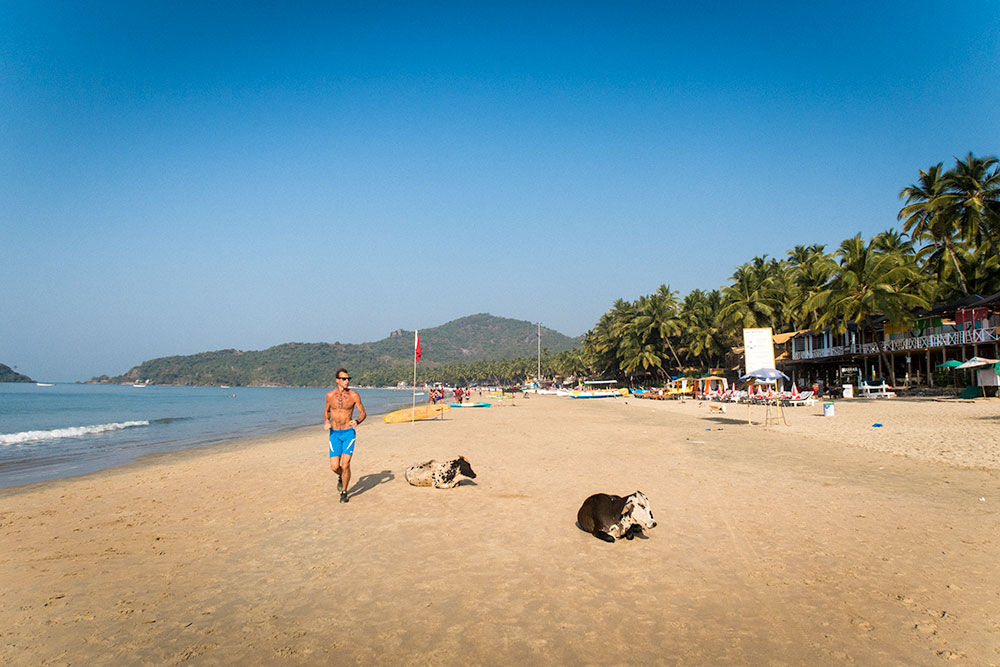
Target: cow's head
(450,470)
(464,467)
(638,512)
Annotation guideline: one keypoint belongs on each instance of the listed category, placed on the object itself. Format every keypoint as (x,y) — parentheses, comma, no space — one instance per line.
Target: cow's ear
(628,507)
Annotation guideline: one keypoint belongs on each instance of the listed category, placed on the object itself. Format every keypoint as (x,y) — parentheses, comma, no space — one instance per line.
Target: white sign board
(759,347)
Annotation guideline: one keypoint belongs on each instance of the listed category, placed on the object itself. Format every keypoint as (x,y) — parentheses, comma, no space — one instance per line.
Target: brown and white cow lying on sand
(614,517)
(444,475)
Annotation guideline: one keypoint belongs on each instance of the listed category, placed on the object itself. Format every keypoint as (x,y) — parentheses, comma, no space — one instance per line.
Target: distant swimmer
(339,420)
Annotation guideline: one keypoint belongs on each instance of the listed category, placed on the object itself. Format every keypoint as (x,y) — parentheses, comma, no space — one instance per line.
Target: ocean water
(71,429)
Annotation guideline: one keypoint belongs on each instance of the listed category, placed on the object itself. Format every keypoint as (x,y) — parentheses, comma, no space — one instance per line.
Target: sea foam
(70,432)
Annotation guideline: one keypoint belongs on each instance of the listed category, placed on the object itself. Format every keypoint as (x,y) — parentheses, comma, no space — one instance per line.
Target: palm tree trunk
(989,237)
(958,270)
(892,368)
(666,339)
(882,361)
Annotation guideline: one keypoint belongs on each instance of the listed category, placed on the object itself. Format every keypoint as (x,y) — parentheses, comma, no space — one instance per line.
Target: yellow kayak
(413,414)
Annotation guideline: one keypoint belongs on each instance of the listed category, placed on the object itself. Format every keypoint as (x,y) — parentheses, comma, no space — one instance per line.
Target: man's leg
(345,471)
(335,467)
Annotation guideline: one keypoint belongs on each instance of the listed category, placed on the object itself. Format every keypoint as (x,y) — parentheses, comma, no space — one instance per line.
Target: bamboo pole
(413,407)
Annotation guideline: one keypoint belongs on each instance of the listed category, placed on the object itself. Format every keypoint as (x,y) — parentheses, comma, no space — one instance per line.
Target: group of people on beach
(460,394)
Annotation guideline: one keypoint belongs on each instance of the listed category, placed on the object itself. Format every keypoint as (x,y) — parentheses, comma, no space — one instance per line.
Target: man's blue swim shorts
(342,442)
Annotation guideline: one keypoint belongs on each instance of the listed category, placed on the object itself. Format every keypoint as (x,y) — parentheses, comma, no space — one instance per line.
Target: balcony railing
(987,335)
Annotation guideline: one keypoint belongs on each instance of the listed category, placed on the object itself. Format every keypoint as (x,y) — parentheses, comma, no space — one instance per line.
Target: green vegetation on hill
(473,338)
(450,351)
(8,374)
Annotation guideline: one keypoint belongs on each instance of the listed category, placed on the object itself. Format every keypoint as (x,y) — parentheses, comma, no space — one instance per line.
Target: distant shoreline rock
(8,374)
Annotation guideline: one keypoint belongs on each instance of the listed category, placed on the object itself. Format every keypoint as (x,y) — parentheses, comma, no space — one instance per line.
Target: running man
(338,417)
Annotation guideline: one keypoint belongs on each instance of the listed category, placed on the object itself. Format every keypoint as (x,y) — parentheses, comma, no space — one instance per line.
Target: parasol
(764,375)
(976,362)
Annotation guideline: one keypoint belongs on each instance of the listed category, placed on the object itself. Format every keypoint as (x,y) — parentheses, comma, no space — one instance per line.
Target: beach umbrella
(951,363)
(976,362)
(764,375)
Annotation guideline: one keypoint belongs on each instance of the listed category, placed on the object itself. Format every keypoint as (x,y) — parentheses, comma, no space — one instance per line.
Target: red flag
(416,347)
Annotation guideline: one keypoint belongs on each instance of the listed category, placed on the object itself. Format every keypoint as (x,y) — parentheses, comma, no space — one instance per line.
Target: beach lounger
(804,398)
(796,398)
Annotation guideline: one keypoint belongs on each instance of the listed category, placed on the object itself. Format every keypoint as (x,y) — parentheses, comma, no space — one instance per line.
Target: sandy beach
(827,541)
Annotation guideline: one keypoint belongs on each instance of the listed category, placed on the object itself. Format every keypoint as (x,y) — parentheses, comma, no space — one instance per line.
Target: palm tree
(892,242)
(749,301)
(811,269)
(983,271)
(704,338)
(973,201)
(949,260)
(602,343)
(868,283)
(784,290)
(657,319)
(926,216)
(571,363)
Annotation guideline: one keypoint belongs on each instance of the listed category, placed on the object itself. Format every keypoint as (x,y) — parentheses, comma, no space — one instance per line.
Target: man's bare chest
(341,400)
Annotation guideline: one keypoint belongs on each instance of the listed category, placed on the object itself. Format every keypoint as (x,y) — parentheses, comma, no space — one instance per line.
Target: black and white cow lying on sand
(444,475)
(613,517)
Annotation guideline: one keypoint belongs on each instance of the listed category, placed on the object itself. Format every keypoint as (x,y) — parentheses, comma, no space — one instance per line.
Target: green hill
(472,338)
(465,340)
(8,374)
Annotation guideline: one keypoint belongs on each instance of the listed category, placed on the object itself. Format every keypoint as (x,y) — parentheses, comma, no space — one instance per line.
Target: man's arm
(361,409)
(326,412)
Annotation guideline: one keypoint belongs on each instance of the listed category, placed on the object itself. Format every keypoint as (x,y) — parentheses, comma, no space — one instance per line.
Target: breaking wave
(71,432)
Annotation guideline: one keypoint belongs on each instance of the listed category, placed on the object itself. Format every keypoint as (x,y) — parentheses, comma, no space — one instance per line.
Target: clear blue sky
(182,177)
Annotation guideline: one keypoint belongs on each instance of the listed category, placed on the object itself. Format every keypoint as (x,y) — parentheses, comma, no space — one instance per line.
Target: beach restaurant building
(914,351)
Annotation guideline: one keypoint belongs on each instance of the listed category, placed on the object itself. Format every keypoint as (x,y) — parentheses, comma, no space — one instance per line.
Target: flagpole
(413,409)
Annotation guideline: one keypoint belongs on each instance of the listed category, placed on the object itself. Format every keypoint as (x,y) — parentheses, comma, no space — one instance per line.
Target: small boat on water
(44,384)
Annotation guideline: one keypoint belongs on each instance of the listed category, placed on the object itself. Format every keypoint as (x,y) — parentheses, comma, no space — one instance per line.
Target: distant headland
(447,349)
(8,374)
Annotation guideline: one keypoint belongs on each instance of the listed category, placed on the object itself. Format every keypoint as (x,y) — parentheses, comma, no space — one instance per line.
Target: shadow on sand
(369,482)
(636,534)
(735,419)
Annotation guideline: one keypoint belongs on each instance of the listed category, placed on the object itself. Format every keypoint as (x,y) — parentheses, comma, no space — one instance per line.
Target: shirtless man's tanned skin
(340,422)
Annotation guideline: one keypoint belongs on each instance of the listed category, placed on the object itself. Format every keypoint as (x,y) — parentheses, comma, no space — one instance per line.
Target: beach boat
(414,414)
(598,389)
(602,393)
(44,384)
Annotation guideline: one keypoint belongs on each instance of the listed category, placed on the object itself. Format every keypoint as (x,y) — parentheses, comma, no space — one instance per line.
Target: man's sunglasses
(344,378)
